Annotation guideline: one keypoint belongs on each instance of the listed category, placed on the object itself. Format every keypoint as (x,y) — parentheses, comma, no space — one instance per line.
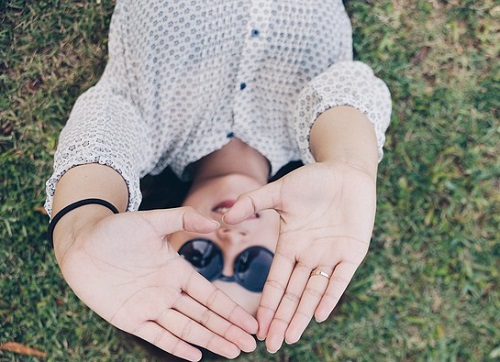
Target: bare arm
(85,181)
(327,211)
(121,266)
(344,134)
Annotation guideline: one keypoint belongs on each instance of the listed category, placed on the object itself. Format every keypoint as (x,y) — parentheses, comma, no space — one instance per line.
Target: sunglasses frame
(219,275)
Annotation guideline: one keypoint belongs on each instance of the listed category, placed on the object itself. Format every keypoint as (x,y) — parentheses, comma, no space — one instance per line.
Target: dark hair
(163,191)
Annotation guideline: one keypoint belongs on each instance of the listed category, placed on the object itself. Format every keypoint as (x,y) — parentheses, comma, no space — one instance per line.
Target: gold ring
(320,272)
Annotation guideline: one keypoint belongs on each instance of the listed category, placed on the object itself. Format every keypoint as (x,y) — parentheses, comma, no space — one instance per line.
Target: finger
(181,218)
(217,301)
(161,338)
(190,331)
(194,310)
(339,281)
(266,197)
(311,297)
(277,281)
(287,307)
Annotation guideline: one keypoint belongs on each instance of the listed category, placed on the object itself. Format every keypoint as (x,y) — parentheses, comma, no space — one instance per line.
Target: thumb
(247,204)
(181,218)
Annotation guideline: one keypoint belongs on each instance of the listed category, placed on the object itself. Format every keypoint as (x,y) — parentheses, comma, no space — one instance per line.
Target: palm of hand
(327,214)
(125,270)
(331,209)
(132,265)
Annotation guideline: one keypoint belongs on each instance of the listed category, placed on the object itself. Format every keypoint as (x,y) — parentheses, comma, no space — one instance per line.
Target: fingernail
(272,352)
(320,320)
(261,338)
(249,347)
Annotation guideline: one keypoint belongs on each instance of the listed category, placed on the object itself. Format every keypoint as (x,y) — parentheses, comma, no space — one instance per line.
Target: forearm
(344,134)
(85,181)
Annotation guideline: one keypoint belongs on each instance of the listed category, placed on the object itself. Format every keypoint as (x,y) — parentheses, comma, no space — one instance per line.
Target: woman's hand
(327,214)
(123,267)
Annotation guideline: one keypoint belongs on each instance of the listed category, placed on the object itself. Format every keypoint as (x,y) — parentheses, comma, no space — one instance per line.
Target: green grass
(429,289)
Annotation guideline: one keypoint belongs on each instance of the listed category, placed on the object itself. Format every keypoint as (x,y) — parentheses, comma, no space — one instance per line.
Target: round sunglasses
(251,266)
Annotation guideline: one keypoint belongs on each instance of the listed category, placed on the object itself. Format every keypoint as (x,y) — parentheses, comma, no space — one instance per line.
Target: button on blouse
(183,77)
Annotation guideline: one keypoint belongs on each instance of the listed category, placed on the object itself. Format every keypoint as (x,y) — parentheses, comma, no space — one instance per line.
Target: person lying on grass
(225,94)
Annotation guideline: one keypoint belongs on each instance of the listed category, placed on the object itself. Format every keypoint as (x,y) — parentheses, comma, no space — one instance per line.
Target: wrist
(344,135)
(352,167)
(80,183)
(67,230)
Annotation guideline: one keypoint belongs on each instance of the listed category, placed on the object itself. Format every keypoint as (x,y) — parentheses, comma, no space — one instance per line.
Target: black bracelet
(73,206)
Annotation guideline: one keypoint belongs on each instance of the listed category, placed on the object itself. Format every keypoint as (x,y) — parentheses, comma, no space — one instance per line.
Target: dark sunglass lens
(252,267)
(205,257)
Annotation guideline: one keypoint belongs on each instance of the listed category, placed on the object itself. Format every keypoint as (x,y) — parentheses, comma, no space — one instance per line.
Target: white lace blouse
(184,77)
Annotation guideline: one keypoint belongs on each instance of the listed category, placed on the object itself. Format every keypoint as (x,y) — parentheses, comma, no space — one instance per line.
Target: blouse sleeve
(105,127)
(346,83)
